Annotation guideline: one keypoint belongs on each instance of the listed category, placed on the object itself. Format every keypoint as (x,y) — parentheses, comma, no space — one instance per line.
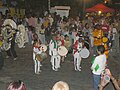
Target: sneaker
(79,69)
(53,68)
(40,71)
(75,69)
(40,65)
(7,57)
(37,73)
(56,69)
(23,47)
(15,59)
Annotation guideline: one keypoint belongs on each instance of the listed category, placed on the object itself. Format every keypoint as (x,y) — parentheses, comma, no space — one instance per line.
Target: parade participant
(98,66)
(9,34)
(37,63)
(76,51)
(21,29)
(97,35)
(16,85)
(60,86)
(55,58)
(26,34)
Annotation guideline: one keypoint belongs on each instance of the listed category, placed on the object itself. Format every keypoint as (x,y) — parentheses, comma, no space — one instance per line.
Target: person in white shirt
(55,58)
(22,31)
(98,66)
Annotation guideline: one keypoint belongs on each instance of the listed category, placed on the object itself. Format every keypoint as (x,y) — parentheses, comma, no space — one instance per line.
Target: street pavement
(23,69)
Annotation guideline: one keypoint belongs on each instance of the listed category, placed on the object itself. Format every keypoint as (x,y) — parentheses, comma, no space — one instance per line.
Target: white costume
(77,56)
(36,62)
(55,58)
(21,28)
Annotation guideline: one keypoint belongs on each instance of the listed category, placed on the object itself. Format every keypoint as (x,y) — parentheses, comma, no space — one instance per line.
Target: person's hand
(107,71)
(103,82)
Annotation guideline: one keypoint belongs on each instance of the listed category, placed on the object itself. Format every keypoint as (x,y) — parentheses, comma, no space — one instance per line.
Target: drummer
(76,51)
(37,63)
(55,58)
(97,35)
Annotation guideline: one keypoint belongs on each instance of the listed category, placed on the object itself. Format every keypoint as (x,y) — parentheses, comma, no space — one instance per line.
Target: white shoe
(37,73)
(40,65)
(15,59)
(40,71)
(56,69)
(75,69)
(23,47)
(79,69)
(53,68)
(7,57)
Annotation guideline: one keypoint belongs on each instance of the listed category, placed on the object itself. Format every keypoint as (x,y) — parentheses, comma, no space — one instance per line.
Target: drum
(62,51)
(87,45)
(41,57)
(67,44)
(84,53)
(104,39)
(43,47)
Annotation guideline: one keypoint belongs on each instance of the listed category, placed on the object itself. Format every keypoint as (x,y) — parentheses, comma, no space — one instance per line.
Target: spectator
(16,85)
(60,86)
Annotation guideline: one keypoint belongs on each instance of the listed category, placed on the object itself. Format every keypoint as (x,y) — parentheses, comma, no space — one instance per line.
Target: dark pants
(1,61)
(11,51)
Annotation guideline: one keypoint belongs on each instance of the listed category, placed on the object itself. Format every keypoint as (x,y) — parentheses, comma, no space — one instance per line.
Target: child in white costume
(22,31)
(55,58)
(76,50)
(36,50)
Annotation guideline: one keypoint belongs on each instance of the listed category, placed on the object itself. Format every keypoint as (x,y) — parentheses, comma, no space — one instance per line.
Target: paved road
(22,69)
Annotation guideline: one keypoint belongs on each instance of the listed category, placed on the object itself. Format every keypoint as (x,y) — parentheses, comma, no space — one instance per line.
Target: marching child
(76,51)
(36,50)
(55,58)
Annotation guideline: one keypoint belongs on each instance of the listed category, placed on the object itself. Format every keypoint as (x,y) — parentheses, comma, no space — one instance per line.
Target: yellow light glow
(105,1)
(99,12)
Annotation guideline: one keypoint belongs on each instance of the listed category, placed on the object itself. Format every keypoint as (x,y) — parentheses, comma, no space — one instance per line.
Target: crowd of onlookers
(45,26)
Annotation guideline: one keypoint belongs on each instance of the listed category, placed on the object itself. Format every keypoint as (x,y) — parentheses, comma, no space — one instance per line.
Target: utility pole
(49,6)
